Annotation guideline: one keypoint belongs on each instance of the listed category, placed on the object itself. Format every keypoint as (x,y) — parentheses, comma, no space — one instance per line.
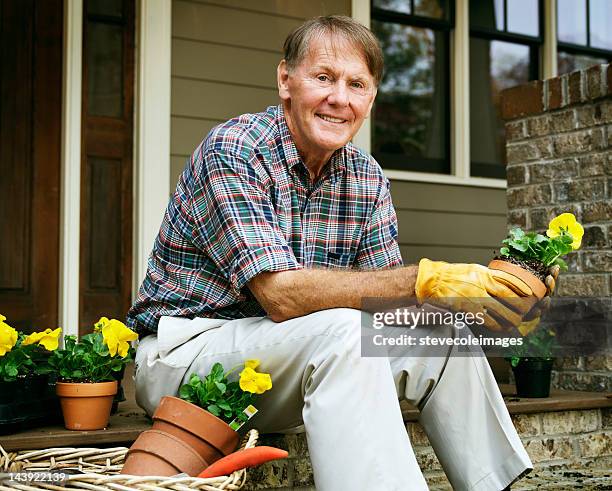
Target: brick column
(559,154)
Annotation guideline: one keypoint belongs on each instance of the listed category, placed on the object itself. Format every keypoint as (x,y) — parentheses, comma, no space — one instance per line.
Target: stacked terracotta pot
(184,439)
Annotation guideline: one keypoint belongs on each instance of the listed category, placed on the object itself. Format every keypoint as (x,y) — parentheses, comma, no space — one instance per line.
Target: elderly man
(277,230)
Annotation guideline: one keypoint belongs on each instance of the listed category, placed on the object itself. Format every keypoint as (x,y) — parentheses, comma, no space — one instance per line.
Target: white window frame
(70,214)
(152,128)
(460,97)
(151,144)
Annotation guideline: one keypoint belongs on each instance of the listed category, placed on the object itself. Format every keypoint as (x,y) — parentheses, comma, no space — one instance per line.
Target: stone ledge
(570,448)
(568,436)
(559,400)
(130,420)
(555,93)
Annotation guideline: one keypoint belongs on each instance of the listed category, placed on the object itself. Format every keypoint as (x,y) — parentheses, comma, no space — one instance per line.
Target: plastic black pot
(28,402)
(532,377)
(120,395)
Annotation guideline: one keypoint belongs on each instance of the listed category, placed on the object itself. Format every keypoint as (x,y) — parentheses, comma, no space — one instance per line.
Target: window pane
(567,62)
(430,8)
(571,18)
(494,66)
(402,6)
(104,69)
(524,17)
(488,14)
(601,22)
(411,110)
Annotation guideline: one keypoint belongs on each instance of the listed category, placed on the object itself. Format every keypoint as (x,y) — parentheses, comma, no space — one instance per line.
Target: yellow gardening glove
(501,298)
(532,319)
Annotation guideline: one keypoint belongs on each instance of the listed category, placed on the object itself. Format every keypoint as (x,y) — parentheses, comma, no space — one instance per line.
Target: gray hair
(296,44)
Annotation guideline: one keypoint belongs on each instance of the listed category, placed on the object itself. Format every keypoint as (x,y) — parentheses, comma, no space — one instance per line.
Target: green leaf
(517,233)
(222,387)
(186,392)
(214,409)
(217,372)
(504,251)
(519,246)
(224,405)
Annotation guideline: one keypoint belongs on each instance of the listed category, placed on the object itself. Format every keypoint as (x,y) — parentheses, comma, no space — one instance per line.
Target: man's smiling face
(326,97)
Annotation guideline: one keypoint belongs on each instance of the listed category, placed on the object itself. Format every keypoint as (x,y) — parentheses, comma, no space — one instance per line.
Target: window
(411,116)
(412,121)
(504,51)
(583,34)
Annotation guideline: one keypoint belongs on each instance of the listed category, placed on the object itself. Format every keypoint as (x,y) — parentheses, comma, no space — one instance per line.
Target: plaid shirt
(245,204)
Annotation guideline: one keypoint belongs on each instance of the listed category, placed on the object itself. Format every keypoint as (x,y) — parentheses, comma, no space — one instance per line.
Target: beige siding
(450,223)
(224,58)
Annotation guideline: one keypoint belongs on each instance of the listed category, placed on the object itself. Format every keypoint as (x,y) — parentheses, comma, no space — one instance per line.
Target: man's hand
(501,298)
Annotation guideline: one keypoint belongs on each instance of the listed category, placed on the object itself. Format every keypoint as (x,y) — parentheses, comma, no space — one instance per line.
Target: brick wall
(559,153)
(573,440)
(563,439)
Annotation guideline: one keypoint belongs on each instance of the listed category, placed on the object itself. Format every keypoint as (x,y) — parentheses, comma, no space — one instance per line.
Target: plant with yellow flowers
(96,356)
(539,344)
(24,355)
(227,399)
(563,236)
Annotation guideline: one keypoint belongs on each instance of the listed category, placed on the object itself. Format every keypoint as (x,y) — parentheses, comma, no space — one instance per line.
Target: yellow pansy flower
(8,337)
(254,363)
(566,222)
(257,383)
(117,337)
(100,324)
(47,338)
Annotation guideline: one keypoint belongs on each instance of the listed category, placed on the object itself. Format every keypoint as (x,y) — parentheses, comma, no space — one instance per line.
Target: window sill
(481,182)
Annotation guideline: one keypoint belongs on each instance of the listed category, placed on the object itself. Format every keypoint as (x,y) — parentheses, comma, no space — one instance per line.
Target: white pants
(348,404)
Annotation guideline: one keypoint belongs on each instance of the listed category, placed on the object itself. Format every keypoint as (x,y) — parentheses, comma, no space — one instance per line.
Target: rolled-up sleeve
(378,247)
(235,222)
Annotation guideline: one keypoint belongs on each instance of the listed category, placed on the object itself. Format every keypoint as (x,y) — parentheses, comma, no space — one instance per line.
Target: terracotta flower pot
(210,437)
(537,287)
(157,453)
(86,406)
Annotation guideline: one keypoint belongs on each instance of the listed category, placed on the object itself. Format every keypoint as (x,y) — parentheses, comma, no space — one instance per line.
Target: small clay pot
(206,435)
(537,287)
(157,453)
(211,437)
(86,406)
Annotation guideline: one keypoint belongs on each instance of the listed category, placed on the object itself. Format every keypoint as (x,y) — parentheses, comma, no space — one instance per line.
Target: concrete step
(568,436)
(570,449)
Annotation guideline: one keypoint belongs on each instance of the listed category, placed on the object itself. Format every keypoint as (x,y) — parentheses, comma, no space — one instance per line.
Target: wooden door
(106,168)
(30,139)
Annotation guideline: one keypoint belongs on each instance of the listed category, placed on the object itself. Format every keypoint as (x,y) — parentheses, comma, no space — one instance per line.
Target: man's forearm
(291,294)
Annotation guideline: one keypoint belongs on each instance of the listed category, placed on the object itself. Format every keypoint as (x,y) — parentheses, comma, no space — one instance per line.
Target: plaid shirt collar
(334,169)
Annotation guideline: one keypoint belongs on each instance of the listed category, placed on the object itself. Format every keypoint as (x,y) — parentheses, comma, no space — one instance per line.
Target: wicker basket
(98,469)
